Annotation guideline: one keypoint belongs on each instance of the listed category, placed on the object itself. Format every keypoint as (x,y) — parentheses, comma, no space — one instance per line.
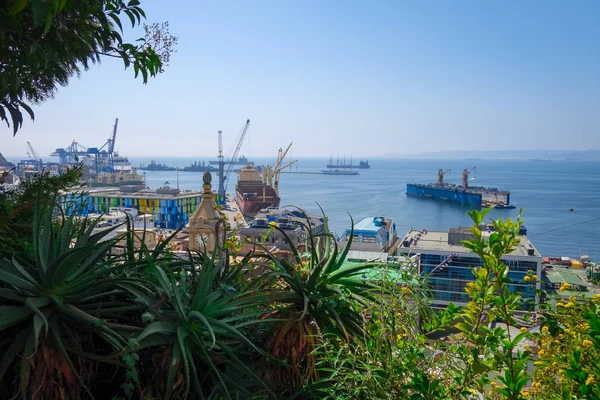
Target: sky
(355,78)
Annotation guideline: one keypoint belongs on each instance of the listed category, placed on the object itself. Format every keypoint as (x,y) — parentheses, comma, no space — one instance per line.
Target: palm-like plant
(55,298)
(197,330)
(315,293)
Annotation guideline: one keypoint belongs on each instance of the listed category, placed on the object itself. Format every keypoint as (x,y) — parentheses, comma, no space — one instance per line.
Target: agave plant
(316,293)
(54,303)
(196,331)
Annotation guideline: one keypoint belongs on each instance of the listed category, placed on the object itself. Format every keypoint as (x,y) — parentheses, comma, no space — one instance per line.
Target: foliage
(315,294)
(17,207)
(43,43)
(202,327)
(568,349)
(53,299)
(78,309)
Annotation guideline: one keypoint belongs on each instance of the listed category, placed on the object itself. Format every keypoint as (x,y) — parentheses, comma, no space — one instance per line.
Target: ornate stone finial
(207,177)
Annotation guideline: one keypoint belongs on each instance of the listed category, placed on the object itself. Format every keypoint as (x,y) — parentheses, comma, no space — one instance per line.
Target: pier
(302,172)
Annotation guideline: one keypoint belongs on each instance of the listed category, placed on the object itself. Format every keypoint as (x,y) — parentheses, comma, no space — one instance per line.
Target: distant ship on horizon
(342,165)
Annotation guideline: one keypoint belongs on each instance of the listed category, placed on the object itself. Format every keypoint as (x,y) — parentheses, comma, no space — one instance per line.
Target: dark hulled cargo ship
(252,194)
(464,194)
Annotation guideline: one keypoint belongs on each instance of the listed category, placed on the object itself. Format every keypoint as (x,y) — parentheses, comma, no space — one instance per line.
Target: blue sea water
(545,190)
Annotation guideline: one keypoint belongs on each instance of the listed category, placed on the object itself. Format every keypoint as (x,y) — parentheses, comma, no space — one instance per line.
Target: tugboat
(154,166)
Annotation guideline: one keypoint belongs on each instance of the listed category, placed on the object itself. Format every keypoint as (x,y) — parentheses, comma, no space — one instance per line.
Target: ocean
(544,190)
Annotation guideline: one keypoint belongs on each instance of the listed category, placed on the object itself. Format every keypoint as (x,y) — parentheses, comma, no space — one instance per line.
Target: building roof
(438,241)
(572,276)
(369,225)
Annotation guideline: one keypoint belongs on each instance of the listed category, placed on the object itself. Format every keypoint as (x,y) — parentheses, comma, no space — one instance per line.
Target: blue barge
(465,194)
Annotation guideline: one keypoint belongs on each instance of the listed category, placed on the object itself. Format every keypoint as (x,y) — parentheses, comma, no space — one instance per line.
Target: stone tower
(205,220)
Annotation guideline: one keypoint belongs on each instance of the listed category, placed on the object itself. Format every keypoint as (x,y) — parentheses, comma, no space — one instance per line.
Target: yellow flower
(545,329)
(564,286)
(273,224)
(538,363)
(541,353)
(525,393)
(587,344)
(398,337)
(572,298)
(589,380)
(491,393)
(597,295)
(534,277)
(569,305)
(304,263)
(527,279)
(537,385)
(493,384)
(523,329)
(247,239)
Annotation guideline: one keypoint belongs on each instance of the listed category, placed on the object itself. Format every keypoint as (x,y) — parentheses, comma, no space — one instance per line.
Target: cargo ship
(464,194)
(256,191)
(361,165)
(154,166)
(253,194)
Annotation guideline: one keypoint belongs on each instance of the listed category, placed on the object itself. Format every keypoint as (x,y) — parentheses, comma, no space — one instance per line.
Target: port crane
(440,176)
(465,177)
(105,159)
(32,153)
(224,177)
(271,174)
(102,159)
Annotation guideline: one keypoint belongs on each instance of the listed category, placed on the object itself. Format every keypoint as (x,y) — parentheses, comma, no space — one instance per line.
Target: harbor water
(545,190)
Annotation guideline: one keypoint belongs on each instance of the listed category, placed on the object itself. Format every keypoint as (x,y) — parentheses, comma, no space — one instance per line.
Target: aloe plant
(201,325)
(57,296)
(316,293)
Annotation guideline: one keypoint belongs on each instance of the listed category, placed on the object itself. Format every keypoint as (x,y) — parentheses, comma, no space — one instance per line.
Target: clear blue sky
(362,78)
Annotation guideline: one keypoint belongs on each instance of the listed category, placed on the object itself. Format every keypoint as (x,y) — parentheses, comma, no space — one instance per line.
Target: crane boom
(231,162)
(111,144)
(35,156)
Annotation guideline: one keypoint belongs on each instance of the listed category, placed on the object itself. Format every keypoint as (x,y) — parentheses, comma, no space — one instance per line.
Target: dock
(234,215)
(302,172)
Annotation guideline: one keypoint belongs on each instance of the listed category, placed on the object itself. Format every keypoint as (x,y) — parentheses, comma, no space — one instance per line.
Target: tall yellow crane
(440,176)
(465,177)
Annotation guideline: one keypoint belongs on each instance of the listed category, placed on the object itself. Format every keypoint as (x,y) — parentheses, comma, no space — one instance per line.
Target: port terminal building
(448,265)
(170,208)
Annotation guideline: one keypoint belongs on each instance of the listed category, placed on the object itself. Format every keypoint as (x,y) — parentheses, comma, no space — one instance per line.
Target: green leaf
(18,6)
(115,18)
